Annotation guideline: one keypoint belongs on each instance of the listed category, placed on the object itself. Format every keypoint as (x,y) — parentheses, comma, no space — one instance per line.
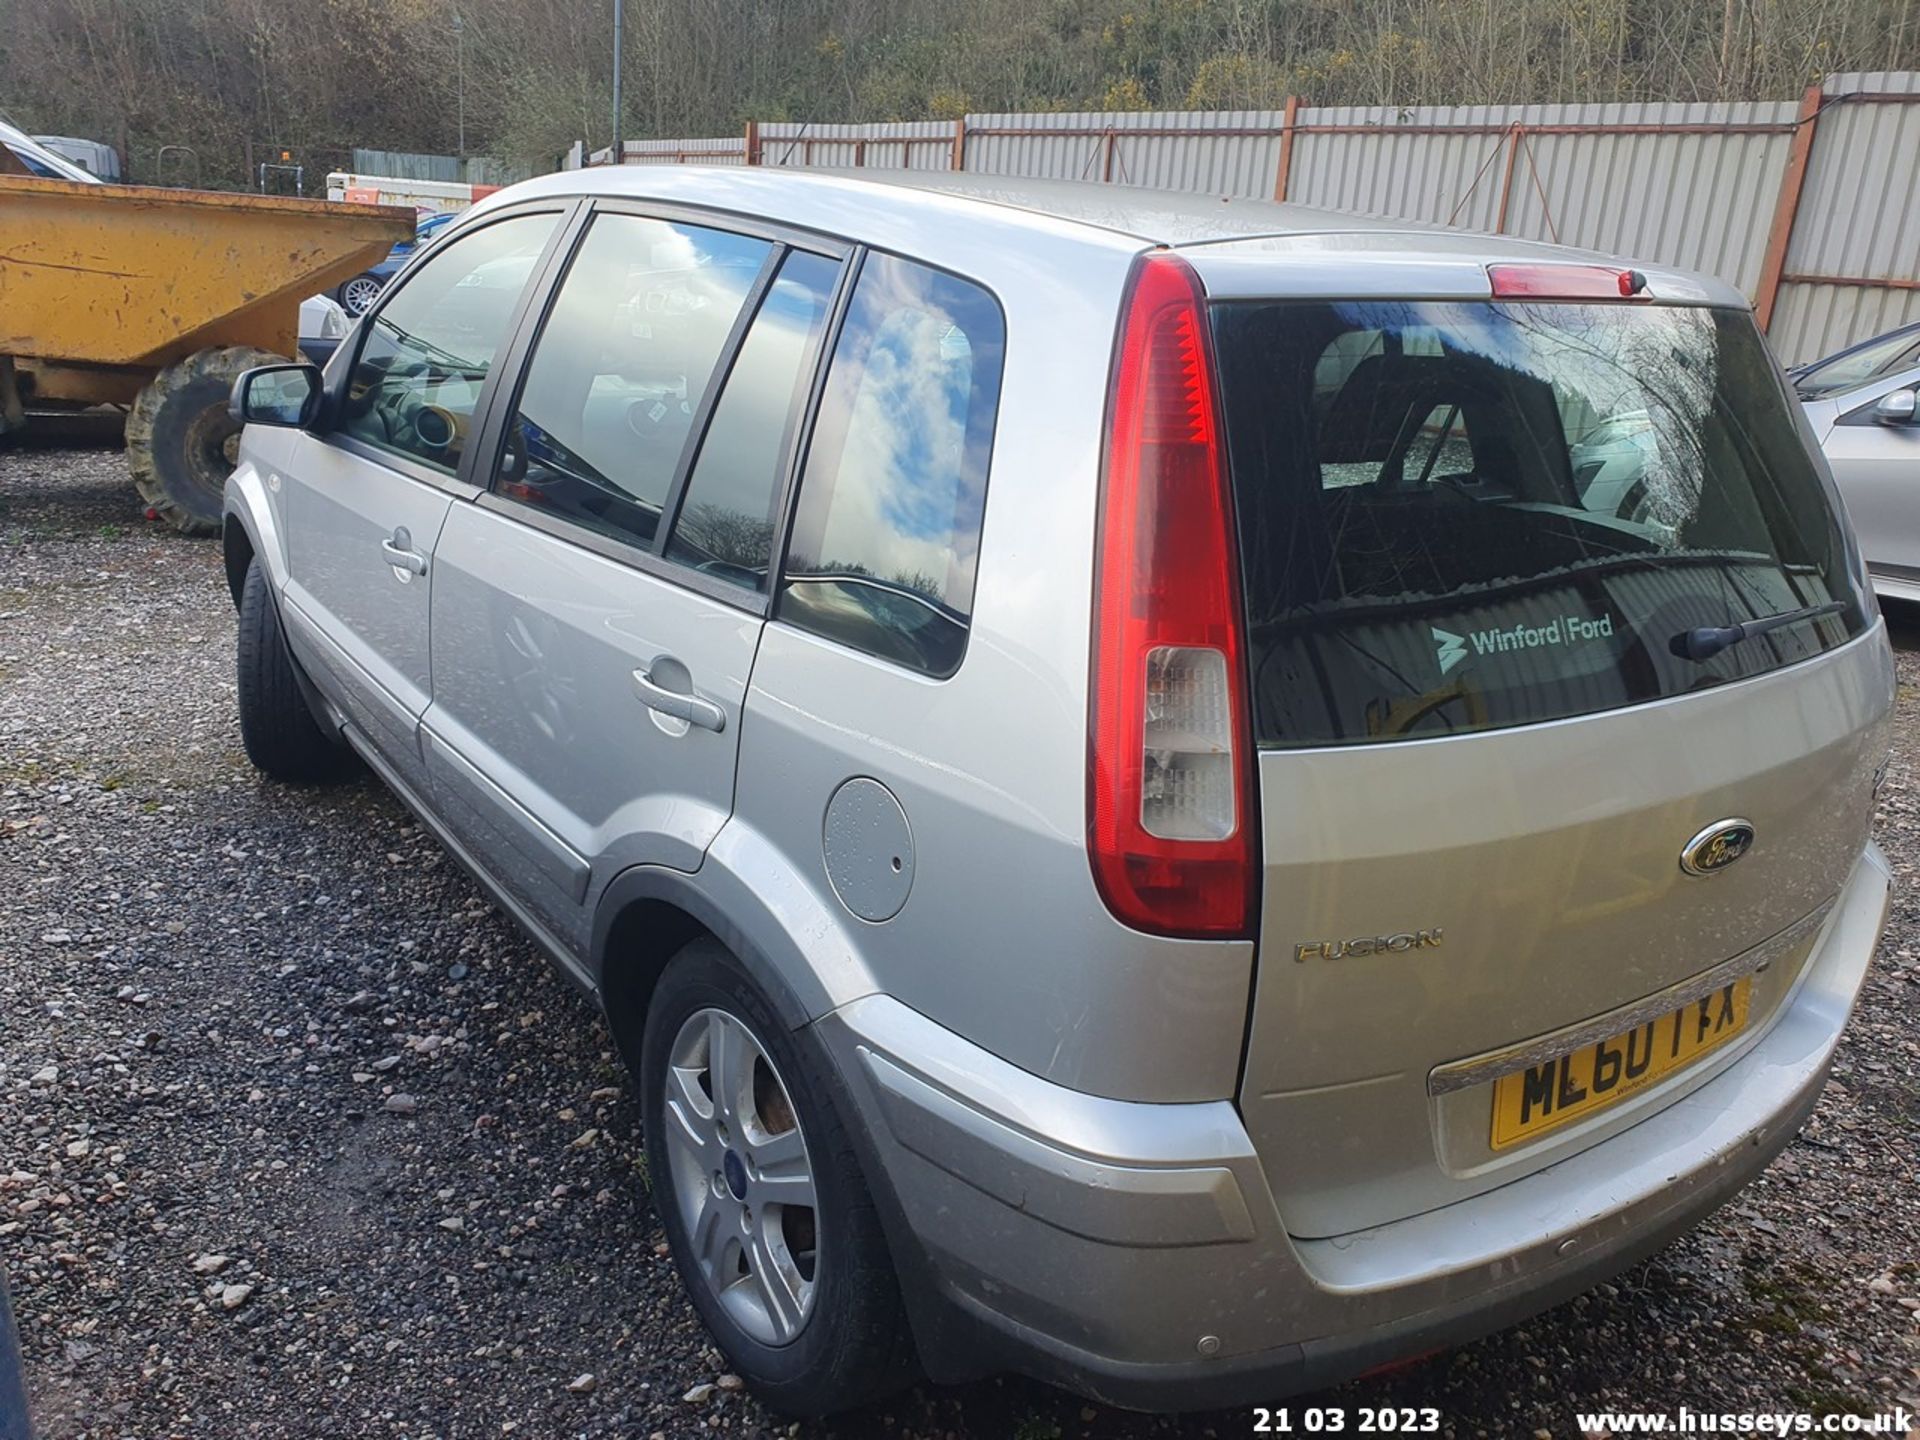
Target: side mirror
(1897,407)
(287,395)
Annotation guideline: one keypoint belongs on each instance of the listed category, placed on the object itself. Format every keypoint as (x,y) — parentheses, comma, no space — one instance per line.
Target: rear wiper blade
(1707,641)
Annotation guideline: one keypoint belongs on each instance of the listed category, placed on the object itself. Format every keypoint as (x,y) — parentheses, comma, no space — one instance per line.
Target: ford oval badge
(1717,847)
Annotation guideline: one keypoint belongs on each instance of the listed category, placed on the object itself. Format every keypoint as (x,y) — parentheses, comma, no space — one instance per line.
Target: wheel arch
(237,551)
(249,529)
(648,913)
(241,546)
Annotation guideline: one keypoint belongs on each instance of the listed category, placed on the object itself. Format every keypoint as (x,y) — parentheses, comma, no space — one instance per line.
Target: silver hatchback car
(1190,798)
(1864,407)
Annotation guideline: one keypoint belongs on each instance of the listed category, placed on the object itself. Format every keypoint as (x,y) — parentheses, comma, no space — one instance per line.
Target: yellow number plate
(1544,1097)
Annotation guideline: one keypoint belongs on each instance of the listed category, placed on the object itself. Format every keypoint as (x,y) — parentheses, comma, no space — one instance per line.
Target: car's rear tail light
(1565,282)
(1169,767)
(1188,788)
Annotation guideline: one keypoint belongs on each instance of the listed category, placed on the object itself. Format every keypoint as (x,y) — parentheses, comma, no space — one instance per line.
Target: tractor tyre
(181,443)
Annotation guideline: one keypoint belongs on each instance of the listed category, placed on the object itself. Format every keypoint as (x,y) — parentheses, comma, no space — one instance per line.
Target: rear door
(1877,468)
(1471,533)
(366,501)
(596,613)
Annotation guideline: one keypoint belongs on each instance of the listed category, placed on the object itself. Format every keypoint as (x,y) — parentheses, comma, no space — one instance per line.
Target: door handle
(660,688)
(400,554)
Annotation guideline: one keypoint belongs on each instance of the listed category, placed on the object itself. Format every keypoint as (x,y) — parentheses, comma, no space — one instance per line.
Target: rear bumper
(1889,585)
(1133,1252)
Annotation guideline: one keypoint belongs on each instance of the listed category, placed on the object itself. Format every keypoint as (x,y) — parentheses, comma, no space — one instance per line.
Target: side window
(725,526)
(427,350)
(887,533)
(619,370)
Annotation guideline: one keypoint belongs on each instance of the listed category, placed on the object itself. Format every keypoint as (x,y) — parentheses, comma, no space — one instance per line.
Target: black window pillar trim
(796,462)
(710,396)
(528,320)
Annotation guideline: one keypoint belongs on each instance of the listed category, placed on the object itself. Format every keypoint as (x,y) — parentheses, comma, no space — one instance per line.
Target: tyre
(755,1179)
(182,443)
(277,727)
(357,295)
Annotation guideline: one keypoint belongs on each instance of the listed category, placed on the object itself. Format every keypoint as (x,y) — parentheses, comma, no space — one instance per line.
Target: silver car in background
(1187,797)
(1864,406)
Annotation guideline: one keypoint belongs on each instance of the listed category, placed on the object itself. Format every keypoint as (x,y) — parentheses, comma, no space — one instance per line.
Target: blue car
(358,294)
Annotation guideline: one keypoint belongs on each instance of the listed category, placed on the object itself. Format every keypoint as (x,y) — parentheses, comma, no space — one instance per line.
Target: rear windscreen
(1461,516)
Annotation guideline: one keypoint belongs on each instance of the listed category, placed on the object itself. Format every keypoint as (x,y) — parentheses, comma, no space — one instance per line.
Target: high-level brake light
(1566,282)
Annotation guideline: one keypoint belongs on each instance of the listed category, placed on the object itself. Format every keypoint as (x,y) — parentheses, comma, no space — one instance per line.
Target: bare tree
(322,76)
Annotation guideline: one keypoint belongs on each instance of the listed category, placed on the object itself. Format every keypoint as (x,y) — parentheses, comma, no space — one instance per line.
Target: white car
(324,323)
(99,160)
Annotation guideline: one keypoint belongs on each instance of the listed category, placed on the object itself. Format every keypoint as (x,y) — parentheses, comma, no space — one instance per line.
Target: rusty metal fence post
(1792,181)
(1289,118)
(1514,139)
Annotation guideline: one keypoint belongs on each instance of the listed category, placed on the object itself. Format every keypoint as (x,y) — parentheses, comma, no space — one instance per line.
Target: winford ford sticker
(1450,649)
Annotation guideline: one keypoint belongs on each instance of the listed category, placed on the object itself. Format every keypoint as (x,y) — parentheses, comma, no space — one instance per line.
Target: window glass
(1886,356)
(887,533)
(428,349)
(725,526)
(619,370)
(34,166)
(1459,517)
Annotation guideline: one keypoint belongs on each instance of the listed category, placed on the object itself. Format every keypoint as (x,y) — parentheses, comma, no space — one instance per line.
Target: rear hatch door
(1471,531)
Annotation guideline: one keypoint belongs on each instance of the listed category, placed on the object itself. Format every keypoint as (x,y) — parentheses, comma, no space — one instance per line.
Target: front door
(369,496)
(590,654)
(367,499)
(1877,467)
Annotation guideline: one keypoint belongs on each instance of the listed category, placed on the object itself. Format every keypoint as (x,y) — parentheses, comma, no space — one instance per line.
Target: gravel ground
(299,1137)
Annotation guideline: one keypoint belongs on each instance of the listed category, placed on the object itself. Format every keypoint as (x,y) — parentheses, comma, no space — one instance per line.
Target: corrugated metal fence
(1812,208)
(409,165)
(1851,257)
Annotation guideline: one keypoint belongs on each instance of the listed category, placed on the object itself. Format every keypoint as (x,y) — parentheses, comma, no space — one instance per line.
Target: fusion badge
(1367,945)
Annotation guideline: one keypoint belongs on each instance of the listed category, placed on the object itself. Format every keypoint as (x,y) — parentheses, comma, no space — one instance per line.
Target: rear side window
(886,537)
(1459,517)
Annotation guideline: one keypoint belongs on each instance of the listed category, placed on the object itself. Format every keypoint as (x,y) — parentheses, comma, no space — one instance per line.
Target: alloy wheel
(742,1179)
(359,294)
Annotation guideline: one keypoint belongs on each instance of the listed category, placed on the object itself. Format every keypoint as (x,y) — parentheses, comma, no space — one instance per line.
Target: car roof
(1222,228)
(1159,217)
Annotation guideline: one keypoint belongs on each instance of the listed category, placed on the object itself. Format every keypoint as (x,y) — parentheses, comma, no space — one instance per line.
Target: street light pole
(618,158)
(460,73)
